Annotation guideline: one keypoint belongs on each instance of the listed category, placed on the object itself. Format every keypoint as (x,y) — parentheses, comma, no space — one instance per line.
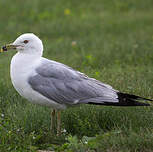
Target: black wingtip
(131,96)
(125,100)
(131,100)
(121,104)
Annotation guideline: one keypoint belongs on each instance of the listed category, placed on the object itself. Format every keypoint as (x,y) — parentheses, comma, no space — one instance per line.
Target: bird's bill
(8,47)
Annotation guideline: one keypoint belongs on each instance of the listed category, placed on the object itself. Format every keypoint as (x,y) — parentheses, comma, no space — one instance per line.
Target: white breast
(22,67)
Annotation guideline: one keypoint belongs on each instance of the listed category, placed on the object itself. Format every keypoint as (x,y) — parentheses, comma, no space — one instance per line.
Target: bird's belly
(20,71)
(22,86)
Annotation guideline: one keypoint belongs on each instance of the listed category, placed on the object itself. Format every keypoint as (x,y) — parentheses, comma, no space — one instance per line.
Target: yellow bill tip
(1,50)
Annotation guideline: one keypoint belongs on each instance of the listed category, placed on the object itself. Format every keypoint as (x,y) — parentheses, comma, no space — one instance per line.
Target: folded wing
(64,85)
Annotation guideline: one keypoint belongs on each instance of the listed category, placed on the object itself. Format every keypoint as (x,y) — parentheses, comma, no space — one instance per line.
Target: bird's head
(26,43)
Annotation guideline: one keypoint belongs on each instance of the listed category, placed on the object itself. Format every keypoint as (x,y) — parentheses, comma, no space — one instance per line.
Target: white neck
(23,62)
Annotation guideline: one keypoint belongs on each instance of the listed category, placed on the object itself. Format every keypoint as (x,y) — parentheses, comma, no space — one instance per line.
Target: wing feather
(63,84)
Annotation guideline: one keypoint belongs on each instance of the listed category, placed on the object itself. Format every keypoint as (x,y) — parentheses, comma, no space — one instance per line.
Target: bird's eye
(25,41)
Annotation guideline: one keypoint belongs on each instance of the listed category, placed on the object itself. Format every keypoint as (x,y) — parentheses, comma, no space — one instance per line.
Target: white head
(27,43)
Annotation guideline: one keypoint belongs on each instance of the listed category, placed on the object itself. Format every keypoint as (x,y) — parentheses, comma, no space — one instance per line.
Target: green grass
(114,43)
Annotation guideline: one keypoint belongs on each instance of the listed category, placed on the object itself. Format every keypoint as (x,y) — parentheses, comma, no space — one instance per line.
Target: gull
(53,84)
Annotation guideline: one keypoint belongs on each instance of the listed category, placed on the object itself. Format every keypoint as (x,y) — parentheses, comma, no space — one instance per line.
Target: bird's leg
(53,120)
(58,123)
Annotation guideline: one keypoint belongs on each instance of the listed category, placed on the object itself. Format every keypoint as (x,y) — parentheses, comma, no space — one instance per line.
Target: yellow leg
(53,121)
(58,123)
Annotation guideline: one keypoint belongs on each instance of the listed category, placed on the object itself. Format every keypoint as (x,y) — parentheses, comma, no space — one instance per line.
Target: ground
(111,41)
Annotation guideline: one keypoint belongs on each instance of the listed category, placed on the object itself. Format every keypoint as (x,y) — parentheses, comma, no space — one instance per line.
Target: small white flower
(33,137)
(2,115)
(64,130)
(18,130)
(9,132)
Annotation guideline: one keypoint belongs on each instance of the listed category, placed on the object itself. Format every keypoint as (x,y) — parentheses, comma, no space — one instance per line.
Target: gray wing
(63,84)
